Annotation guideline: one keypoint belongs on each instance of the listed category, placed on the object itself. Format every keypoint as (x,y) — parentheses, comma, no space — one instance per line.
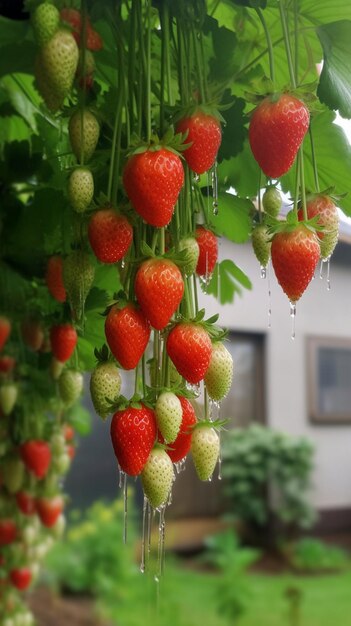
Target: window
(329,380)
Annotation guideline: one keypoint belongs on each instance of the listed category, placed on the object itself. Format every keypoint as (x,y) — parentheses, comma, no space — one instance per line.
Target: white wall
(319,312)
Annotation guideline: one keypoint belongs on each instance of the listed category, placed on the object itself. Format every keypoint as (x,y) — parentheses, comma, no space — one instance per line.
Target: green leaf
(334,88)
(19,100)
(234,217)
(80,418)
(227,280)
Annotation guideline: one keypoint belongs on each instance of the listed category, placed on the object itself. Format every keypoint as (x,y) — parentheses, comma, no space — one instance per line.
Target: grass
(188,598)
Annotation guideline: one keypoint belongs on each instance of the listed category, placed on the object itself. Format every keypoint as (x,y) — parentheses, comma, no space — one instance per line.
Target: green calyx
(103,355)
(292,223)
(172,142)
(215,332)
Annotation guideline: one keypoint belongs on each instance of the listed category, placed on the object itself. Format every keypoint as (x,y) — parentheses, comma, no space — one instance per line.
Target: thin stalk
(114,143)
(148,73)
(314,160)
(287,44)
(302,183)
(259,197)
(131,62)
(199,66)
(297,186)
(296,39)
(269,43)
(83,8)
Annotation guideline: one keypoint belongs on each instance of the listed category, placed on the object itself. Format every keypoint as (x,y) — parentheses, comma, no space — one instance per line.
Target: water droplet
(196,178)
(193,388)
(123,264)
(125,502)
(321,269)
(263,270)
(293,318)
(150,519)
(220,459)
(328,273)
(161,543)
(214,181)
(143,536)
(269,295)
(210,479)
(120,473)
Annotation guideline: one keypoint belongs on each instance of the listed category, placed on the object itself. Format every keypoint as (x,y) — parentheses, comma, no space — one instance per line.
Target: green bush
(315,556)
(267,475)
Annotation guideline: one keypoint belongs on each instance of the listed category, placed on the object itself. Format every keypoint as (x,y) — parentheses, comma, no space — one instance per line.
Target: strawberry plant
(125,128)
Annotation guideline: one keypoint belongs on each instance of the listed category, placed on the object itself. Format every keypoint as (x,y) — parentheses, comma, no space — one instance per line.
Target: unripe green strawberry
(272,201)
(52,98)
(83,121)
(169,415)
(105,383)
(219,376)
(59,58)
(78,277)
(192,254)
(261,244)
(61,463)
(70,386)
(56,368)
(12,473)
(45,22)
(157,477)
(205,449)
(80,189)
(8,397)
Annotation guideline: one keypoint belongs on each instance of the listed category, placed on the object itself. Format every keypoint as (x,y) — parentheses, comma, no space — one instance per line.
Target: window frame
(313,344)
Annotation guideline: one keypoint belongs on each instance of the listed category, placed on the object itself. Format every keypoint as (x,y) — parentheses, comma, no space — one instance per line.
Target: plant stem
(269,44)
(302,183)
(287,43)
(148,73)
(83,8)
(314,160)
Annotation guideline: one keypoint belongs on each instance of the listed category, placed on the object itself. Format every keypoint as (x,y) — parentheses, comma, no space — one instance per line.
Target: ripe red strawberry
(208,247)
(127,333)
(110,235)
(133,434)
(36,455)
(153,180)
(26,503)
(32,333)
(168,411)
(54,278)
(159,289)
(8,531)
(295,254)
(189,346)
(71,451)
(180,447)
(85,73)
(7,363)
(49,510)
(205,135)
(5,329)
(205,449)
(261,244)
(74,19)
(68,432)
(328,217)
(83,120)
(63,341)
(21,577)
(219,376)
(277,128)
(157,477)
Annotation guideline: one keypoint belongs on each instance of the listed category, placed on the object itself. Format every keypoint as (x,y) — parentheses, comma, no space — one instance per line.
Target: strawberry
(261,244)
(63,341)
(110,235)
(45,21)
(180,447)
(49,510)
(54,279)
(85,73)
(8,531)
(169,414)
(71,451)
(324,208)
(157,477)
(219,376)
(204,449)
(277,128)
(32,333)
(53,99)
(80,189)
(208,247)
(295,254)
(159,289)
(74,19)
(189,347)
(68,432)
(56,368)
(78,277)
(191,255)
(7,364)
(5,329)
(105,383)
(26,503)
(70,385)
(59,60)
(83,121)
(36,455)
(152,180)
(21,577)
(133,434)
(8,397)
(204,134)
(12,472)
(272,201)
(127,333)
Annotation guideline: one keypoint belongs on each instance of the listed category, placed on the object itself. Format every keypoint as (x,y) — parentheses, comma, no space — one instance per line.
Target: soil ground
(52,610)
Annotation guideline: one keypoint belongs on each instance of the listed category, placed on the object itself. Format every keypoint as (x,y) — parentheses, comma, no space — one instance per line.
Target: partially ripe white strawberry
(191,255)
(157,477)
(8,397)
(84,130)
(169,414)
(219,376)
(80,189)
(205,449)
